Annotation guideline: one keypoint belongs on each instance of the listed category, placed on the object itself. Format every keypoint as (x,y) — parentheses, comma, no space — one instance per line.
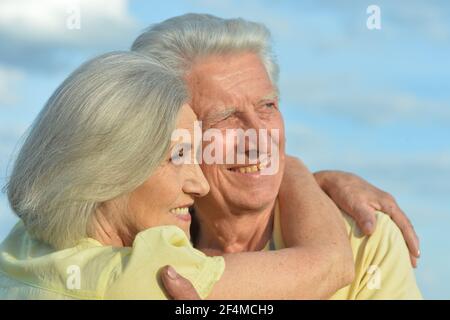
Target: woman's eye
(177,156)
(181,153)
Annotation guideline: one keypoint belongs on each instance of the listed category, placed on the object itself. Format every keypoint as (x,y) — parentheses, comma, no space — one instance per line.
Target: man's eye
(227,117)
(269,105)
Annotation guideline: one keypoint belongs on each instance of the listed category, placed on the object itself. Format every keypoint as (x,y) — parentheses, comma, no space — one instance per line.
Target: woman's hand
(360,200)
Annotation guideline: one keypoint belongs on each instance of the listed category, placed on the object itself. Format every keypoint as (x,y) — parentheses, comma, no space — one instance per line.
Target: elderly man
(229,68)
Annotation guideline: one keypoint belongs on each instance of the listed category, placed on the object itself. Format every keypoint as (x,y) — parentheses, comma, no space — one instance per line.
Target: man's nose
(251,120)
(260,141)
(196,183)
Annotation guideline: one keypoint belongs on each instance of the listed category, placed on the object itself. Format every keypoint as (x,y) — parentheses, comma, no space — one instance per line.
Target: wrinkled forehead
(227,81)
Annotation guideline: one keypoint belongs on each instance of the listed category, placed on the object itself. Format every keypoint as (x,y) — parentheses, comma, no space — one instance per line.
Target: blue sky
(373,102)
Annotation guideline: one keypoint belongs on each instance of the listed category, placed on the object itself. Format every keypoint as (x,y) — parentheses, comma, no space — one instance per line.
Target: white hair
(100,135)
(179,41)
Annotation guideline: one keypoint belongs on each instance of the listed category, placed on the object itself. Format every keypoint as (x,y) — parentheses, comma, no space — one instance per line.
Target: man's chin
(249,201)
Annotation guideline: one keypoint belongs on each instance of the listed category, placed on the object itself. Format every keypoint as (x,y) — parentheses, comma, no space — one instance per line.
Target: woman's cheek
(170,186)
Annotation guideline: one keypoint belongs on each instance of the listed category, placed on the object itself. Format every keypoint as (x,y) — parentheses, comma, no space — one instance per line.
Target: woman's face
(165,197)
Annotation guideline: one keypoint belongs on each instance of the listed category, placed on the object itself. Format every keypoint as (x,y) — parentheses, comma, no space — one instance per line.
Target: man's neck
(226,232)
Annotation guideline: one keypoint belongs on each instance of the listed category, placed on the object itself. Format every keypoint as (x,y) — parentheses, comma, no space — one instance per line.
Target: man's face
(234,92)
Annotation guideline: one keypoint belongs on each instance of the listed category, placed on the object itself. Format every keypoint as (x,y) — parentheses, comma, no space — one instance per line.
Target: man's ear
(177,287)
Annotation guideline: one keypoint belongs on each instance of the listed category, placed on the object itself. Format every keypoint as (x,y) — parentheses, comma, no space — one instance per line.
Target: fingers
(365,219)
(411,239)
(413,260)
(177,287)
(407,229)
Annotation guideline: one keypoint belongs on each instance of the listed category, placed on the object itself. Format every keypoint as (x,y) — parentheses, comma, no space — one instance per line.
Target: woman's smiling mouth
(181,213)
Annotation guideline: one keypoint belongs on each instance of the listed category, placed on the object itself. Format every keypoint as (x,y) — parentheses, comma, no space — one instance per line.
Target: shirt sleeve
(137,274)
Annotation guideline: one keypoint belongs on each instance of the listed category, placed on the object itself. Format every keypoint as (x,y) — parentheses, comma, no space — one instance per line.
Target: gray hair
(179,41)
(100,135)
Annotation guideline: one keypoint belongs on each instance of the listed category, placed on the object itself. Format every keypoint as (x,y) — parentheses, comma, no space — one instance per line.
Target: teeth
(249,169)
(180,211)
(254,168)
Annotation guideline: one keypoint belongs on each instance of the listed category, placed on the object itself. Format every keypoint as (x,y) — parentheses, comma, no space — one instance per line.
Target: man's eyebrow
(270,96)
(221,114)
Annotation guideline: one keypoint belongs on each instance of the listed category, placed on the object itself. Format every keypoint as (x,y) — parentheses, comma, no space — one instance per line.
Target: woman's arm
(318,260)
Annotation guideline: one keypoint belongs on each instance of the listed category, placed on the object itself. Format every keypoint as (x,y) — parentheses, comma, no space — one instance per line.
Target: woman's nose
(196,184)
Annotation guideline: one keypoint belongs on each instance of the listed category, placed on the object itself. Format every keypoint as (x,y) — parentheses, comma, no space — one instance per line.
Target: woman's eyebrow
(178,146)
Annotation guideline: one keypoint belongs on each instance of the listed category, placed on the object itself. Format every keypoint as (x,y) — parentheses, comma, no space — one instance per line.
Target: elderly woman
(104,207)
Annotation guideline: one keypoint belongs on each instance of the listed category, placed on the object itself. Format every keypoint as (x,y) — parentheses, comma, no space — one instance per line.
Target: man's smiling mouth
(248,169)
(251,169)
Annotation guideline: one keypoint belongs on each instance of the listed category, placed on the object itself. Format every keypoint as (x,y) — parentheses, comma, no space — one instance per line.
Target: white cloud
(409,172)
(11,137)
(425,17)
(351,97)
(46,21)
(34,32)
(10,78)
(7,218)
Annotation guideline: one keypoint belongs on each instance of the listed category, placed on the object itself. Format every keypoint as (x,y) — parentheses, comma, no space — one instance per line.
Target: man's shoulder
(386,231)
(382,265)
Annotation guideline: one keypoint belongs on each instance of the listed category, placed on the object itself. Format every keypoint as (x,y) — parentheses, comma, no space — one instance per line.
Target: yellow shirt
(30,269)
(382,265)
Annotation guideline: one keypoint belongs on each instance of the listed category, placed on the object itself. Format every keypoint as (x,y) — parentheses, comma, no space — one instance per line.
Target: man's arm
(361,200)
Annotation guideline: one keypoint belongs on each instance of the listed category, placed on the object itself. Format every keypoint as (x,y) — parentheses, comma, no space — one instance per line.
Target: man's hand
(360,200)
(177,287)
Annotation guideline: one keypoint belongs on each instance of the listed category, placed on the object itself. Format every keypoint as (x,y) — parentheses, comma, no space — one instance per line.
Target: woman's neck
(103,230)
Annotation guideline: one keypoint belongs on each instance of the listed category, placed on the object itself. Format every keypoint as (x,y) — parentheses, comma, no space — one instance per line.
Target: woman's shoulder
(154,248)
(93,271)
(36,268)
